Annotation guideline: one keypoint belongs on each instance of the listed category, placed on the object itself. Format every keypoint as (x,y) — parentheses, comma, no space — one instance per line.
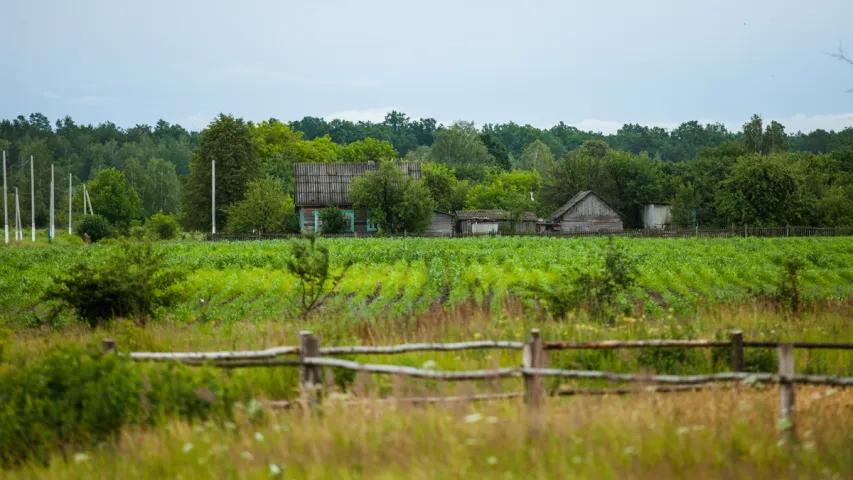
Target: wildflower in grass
(231,425)
(831,392)
(259,436)
(629,450)
(429,364)
(246,455)
(473,418)
(492,420)
(275,470)
(477,336)
(492,460)
(80,457)
(683,430)
(188,447)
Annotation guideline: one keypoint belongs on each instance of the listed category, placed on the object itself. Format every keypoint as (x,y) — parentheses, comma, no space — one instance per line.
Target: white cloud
(96,100)
(375,115)
(51,96)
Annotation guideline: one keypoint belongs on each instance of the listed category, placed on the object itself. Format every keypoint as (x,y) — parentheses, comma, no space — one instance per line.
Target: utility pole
(88,200)
(19,229)
(33,197)
(5,195)
(213,194)
(51,230)
(84,199)
(69,204)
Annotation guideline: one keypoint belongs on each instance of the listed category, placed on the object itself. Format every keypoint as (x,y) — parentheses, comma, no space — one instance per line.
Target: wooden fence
(310,358)
(745,231)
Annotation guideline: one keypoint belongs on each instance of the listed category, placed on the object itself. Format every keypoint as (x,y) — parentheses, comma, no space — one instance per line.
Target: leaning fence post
(309,375)
(109,345)
(533,356)
(737,350)
(786,391)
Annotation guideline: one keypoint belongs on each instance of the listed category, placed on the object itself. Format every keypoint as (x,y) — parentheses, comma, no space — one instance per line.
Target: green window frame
(371,227)
(346,213)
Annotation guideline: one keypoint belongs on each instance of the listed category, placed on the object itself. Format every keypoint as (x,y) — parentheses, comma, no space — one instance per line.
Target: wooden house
(587,212)
(321,185)
(493,221)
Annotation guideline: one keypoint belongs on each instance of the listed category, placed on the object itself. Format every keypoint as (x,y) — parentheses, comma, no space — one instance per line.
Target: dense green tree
(460,148)
(448,193)
(537,157)
(267,208)
(506,191)
(497,150)
(394,201)
(760,190)
(229,142)
(113,199)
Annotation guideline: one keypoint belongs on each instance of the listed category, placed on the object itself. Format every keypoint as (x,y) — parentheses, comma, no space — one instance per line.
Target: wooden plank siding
(324,184)
(588,212)
(442,225)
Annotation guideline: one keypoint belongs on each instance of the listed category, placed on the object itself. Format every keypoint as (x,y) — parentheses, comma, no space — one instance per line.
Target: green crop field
(402,277)
(67,411)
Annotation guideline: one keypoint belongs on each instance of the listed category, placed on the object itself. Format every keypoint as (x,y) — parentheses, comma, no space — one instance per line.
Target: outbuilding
(494,221)
(587,212)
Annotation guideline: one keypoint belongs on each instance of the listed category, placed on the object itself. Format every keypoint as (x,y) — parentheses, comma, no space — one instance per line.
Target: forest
(760,175)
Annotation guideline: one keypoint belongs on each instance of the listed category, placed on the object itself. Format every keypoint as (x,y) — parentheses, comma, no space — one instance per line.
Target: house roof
(577,199)
(492,215)
(322,184)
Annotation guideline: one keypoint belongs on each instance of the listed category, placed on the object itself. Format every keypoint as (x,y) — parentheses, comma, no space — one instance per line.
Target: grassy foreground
(722,434)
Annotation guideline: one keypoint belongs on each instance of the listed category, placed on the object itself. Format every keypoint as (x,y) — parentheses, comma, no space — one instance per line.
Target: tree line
(760,175)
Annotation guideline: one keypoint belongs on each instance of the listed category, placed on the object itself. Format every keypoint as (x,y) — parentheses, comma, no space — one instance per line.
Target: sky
(592,64)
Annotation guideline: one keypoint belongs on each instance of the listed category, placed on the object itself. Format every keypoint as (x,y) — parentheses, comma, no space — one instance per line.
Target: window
(371,226)
(348,214)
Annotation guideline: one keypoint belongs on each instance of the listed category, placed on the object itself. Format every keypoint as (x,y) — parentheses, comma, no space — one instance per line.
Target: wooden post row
(737,350)
(786,392)
(533,356)
(309,375)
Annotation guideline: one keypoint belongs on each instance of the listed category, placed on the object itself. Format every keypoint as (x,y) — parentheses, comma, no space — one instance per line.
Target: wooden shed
(493,221)
(657,215)
(321,185)
(442,225)
(587,212)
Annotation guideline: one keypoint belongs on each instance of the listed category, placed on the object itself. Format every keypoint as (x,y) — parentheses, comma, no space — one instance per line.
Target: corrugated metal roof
(322,184)
(492,215)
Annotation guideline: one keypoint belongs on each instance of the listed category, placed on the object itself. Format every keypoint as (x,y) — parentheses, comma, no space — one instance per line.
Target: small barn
(493,221)
(657,215)
(321,185)
(587,212)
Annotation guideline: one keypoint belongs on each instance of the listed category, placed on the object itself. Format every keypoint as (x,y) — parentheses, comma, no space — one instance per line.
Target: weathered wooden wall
(442,224)
(591,214)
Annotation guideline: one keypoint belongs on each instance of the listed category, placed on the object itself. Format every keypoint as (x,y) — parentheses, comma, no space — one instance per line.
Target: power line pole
(88,200)
(69,204)
(213,194)
(19,229)
(5,195)
(51,228)
(33,196)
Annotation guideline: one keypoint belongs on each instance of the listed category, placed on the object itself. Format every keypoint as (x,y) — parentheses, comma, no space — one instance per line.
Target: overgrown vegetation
(96,226)
(789,293)
(333,221)
(595,290)
(317,279)
(77,396)
(133,281)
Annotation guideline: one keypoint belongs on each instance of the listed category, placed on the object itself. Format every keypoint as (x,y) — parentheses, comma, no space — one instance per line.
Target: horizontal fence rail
(743,231)
(312,358)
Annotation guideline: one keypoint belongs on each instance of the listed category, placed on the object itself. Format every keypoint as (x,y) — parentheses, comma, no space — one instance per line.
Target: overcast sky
(594,64)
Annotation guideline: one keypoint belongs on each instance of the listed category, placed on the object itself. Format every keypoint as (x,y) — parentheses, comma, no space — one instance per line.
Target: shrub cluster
(79,396)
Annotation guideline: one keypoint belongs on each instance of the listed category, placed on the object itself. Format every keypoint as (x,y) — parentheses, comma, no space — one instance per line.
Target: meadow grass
(716,434)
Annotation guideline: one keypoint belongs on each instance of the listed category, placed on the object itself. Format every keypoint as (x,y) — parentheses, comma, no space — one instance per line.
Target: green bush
(133,281)
(162,227)
(333,221)
(96,226)
(78,396)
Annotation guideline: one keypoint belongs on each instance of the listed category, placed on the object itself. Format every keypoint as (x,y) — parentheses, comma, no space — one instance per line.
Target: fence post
(533,356)
(786,392)
(309,375)
(787,230)
(109,345)
(745,231)
(737,350)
